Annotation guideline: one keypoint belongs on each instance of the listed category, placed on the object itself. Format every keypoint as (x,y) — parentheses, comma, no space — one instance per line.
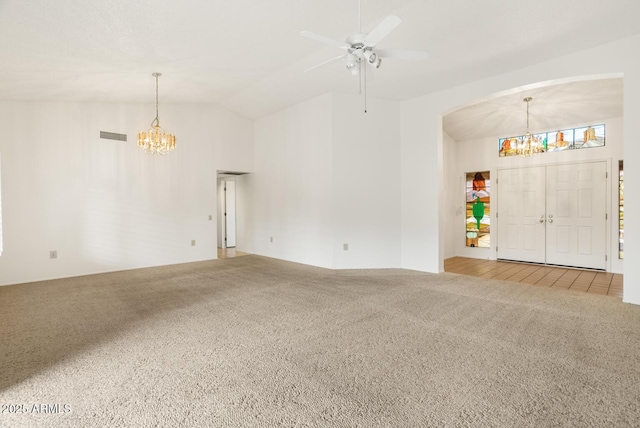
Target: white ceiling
(248,56)
(552,108)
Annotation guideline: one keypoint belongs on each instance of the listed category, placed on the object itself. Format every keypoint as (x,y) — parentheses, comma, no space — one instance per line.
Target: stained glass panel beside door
(478,209)
(621,211)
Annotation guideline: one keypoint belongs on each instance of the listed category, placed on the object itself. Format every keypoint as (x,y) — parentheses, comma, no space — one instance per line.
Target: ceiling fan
(361,47)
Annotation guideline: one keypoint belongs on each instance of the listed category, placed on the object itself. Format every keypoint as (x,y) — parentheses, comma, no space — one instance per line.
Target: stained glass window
(621,212)
(556,141)
(478,209)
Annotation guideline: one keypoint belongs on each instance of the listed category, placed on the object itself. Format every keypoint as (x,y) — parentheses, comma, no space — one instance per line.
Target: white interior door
(576,215)
(553,214)
(521,211)
(230,214)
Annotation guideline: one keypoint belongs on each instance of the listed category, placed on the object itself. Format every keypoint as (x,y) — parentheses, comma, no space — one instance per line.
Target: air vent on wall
(113,136)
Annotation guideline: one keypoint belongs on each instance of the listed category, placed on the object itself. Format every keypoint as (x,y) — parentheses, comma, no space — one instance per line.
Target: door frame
(242,206)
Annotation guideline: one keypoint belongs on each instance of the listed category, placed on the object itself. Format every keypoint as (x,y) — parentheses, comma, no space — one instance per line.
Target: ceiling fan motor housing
(356,40)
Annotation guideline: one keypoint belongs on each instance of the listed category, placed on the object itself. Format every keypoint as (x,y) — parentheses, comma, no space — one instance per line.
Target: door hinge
(605,258)
(606,175)
(606,216)
(496,214)
(496,248)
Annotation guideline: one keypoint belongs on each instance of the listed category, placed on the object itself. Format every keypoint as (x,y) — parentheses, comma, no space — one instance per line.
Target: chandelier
(156,140)
(528,144)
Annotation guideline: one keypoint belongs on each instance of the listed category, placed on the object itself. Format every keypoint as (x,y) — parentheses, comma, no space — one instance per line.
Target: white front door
(576,215)
(521,206)
(554,214)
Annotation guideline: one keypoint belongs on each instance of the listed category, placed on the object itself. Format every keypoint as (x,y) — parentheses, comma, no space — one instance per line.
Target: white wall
(454,218)
(422,138)
(482,155)
(105,205)
(421,184)
(366,188)
(292,183)
(326,174)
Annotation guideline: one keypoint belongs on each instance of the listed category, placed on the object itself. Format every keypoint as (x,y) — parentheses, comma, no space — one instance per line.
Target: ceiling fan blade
(323,39)
(325,62)
(402,54)
(382,30)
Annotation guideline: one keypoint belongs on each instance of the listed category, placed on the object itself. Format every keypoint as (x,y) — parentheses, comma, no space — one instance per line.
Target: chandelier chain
(529,145)
(527,100)
(156,121)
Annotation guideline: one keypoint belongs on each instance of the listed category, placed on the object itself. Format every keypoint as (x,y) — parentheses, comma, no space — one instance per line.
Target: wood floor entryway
(588,281)
(226,253)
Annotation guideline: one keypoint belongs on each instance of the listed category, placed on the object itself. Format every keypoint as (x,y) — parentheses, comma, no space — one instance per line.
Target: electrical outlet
(210,217)
(53,254)
(193,242)
(271,239)
(345,247)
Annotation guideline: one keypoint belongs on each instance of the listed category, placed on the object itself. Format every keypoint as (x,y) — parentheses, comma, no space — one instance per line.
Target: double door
(553,214)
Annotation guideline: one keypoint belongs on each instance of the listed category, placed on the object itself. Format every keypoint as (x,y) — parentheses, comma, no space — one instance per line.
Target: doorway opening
(230,213)
(582,227)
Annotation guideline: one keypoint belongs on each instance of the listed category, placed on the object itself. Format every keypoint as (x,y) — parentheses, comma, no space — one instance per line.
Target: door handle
(550,220)
(541,220)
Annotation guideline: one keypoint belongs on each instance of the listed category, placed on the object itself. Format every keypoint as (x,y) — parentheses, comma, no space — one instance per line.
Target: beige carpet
(258,342)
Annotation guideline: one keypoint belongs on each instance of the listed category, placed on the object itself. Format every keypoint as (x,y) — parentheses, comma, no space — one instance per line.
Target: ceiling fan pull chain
(365,87)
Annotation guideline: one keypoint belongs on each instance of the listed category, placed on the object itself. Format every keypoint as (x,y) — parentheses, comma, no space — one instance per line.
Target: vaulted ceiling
(248,56)
(552,107)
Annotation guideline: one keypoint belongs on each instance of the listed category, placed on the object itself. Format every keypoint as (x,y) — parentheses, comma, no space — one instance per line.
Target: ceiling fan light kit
(361,49)
(352,64)
(372,58)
